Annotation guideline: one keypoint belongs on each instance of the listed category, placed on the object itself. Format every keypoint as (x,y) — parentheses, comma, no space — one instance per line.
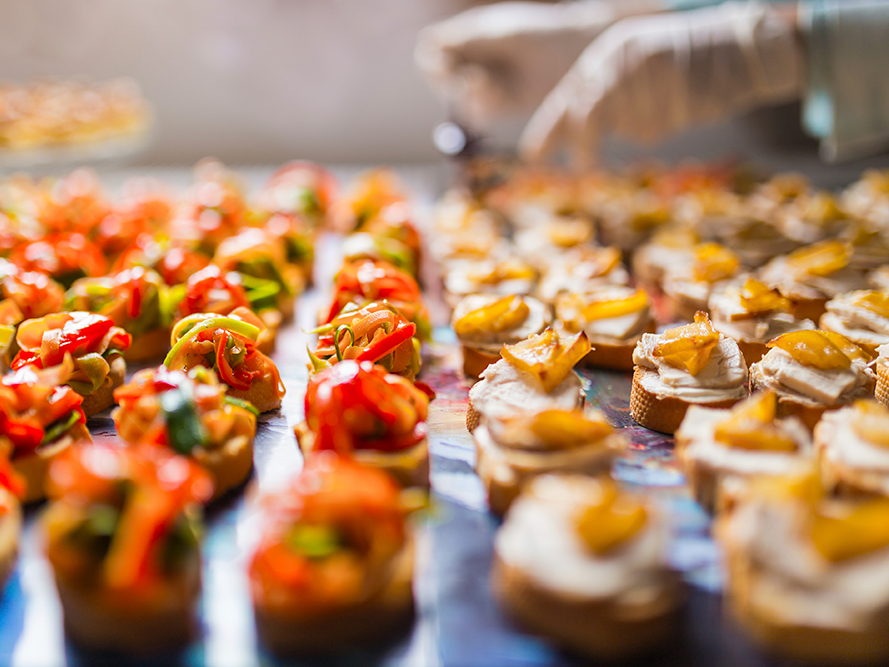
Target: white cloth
(647,77)
(502,59)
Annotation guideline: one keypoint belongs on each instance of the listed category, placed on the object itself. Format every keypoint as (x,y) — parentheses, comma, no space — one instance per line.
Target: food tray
(458,623)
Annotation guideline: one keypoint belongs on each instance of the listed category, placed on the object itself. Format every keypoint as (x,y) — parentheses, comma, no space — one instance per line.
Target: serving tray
(458,623)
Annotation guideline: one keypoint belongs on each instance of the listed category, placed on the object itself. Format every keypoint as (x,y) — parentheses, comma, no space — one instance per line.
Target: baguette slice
(375,621)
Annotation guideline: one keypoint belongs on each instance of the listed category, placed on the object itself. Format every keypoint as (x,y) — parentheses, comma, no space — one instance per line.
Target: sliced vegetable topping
(547,357)
(689,346)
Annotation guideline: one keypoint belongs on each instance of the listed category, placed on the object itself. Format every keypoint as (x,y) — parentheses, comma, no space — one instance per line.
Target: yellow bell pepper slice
(853,531)
(604,309)
(547,357)
(820,259)
(688,346)
(758,298)
(501,315)
(611,519)
(812,348)
(750,425)
(714,262)
(871,422)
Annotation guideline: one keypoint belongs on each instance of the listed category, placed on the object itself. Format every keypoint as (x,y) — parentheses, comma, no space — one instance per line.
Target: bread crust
(809,309)
(810,415)
(262,394)
(752,350)
(35,466)
(615,357)
(103,397)
(503,489)
(784,638)
(473,417)
(589,627)
(881,390)
(476,361)
(229,465)
(662,414)
(10,529)
(375,621)
(97,620)
(150,346)
(409,467)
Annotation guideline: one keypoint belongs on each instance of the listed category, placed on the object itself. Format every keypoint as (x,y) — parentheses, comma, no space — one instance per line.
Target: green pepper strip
(57,428)
(185,431)
(229,323)
(241,403)
(336,339)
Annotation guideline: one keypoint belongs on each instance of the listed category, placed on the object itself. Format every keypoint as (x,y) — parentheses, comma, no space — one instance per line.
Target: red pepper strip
(120,340)
(11,480)
(134,303)
(390,443)
(26,358)
(425,388)
(66,400)
(284,567)
(79,333)
(25,434)
(331,431)
(226,374)
(387,344)
(144,521)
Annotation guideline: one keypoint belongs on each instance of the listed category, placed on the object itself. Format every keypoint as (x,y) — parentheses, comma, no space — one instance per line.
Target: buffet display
(752,315)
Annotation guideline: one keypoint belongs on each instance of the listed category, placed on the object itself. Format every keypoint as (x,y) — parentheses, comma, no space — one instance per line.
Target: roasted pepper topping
(820,259)
(714,262)
(875,301)
(556,429)
(817,349)
(757,298)
(750,425)
(508,269)
(569,232)
(690,345)
(501,315)
(602,309)
(847,530)
(611,519)
(871,422)
(547,357)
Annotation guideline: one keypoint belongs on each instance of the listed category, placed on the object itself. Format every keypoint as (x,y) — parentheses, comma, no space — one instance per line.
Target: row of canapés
(530,237)
(122,527)
(800,518)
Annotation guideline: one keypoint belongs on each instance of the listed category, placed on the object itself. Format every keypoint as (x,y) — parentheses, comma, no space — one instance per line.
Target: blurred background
(266,81)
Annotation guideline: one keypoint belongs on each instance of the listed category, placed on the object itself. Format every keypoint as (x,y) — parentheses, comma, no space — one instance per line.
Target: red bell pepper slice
(226,373)
(26,358)
(387,344)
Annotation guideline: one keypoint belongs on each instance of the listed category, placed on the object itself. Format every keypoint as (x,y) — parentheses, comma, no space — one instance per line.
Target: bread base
(91,620)
(610,357)
(150,346)
(262,394)
(103,397)
(409,467)
(376,621)
(787,407)
(10,529)
(590,459)
(662,414)
(752,350)
(786,639)
(594,628)
(230,465)
(473,417)
(809,309)
(34,467)
(881,391)
(475,362)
